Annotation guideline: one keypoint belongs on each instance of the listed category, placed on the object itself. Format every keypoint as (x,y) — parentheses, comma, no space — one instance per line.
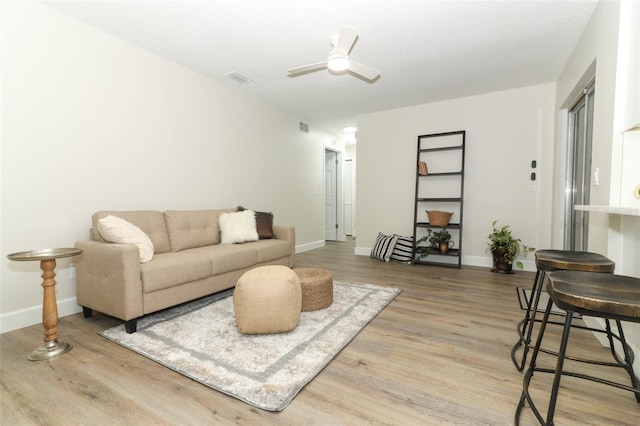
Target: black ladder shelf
(441,188)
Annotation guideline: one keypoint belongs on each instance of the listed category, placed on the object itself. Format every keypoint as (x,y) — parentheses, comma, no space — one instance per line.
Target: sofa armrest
(108,279)
(287,233)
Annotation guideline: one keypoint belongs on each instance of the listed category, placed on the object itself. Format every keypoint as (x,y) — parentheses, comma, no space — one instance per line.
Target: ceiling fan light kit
(338,61)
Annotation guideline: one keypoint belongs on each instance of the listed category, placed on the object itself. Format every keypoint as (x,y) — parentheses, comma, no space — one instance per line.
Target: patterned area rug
(200,340)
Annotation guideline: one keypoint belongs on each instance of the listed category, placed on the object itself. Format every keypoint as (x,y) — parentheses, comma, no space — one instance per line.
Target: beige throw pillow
(116,230)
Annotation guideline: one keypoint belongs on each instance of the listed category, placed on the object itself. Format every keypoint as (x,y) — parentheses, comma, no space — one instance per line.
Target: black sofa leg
(88,312)
(131,326)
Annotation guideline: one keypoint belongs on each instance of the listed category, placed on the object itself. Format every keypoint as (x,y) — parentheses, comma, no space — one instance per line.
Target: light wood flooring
(439,354)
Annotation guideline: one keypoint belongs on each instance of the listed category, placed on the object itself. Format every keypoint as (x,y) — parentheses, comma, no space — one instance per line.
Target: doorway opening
(349,199)
(578,180)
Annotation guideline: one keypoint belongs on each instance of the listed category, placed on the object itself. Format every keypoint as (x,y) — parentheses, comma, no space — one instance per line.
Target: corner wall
(505,131)
(90,122)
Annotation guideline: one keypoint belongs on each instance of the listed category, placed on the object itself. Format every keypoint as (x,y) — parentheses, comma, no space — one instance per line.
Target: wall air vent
(238,77)
(304,127)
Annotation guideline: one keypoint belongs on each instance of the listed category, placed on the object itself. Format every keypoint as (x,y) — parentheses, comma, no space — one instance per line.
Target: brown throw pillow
(264,223)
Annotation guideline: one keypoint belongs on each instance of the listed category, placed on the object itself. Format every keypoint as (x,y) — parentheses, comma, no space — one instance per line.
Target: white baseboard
(33,315)
(482,261)
(362,251)
(310,246)
(487,262)
(599,324)
(26,317)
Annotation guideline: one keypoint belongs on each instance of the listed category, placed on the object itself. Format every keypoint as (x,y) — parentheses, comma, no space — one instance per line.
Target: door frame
(578,221)
(560,150)
(339,212)
(348,185)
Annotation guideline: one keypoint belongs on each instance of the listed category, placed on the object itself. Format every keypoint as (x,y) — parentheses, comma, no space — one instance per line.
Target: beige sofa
(188,262)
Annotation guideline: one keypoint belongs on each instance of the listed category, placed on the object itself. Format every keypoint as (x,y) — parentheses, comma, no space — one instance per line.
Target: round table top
(46,254)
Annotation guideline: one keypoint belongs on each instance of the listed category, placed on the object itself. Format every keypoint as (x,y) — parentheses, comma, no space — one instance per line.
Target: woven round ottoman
(317,288)
(267,300)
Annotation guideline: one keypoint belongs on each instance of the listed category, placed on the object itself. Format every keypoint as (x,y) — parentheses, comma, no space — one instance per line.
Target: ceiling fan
(338,61)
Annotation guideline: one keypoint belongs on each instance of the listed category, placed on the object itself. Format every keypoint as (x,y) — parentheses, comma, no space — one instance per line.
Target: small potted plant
(441,240)
(438,241)
(505,248)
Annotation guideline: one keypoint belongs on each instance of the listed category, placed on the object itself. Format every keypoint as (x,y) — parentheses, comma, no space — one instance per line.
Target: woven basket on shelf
(438,218)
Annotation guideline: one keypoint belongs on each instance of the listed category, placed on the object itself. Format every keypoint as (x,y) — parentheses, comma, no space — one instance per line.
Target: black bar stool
(609,296)
(549,261)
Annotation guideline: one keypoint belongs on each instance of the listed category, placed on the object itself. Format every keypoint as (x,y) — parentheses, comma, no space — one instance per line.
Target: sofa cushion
(238,227)
(150,222)
(271,249)
(193,228)
(228,257)
(116,230)
(172,269)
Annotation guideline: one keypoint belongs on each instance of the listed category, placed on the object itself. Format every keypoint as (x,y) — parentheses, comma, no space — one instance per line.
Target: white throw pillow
(238,227)
(116,230)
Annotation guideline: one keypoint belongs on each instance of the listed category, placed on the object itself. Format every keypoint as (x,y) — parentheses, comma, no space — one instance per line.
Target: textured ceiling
(425,50)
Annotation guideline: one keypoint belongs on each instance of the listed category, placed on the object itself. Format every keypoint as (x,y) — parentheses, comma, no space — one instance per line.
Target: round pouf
(267,300)
(317,288)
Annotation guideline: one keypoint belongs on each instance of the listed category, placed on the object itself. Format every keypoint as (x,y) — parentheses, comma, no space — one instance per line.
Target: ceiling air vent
(238,77)
(304,127)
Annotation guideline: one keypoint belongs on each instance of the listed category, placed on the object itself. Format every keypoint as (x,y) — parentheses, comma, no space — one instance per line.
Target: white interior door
(330,195)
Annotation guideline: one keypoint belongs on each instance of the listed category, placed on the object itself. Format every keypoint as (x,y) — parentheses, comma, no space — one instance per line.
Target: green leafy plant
(434,239)
(422,251)
(439,237)
(503,239)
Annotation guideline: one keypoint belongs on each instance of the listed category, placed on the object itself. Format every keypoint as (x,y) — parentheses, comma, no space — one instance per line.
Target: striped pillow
(383,248)
(403,251)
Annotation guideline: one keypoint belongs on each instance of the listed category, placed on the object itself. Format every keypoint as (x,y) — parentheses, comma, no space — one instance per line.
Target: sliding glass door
(578,181)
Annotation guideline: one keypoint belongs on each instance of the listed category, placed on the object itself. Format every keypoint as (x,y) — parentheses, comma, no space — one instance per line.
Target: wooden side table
(52,347)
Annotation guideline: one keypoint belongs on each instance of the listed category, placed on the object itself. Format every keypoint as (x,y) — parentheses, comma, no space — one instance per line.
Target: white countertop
(628,211)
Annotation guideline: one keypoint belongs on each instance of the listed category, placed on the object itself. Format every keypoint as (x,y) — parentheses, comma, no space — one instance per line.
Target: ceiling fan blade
(365,71)
(307,68)
(346,38)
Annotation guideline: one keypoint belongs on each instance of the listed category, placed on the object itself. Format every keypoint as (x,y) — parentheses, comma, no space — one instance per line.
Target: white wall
(505,131)
(617,237)
(90,122)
